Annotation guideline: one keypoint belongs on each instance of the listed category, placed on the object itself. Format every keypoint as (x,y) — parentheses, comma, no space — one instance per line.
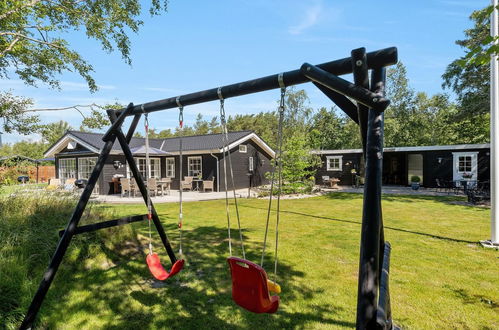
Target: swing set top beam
(375,59)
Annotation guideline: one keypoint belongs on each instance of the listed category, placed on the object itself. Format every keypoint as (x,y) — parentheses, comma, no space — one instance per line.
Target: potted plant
(415,182)
(467,175)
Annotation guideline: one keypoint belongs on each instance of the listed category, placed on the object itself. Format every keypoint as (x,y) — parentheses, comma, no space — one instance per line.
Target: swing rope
(148,168)
(225,143)
(181,132)
(277,165)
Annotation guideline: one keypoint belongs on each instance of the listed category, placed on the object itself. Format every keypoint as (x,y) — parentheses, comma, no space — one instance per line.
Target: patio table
(196,181)
(165,185)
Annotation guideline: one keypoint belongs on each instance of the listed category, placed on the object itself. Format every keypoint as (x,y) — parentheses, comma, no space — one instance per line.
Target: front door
(414,166)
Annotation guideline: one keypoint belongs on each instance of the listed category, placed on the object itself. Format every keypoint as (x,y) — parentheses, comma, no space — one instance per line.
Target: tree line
(31,48)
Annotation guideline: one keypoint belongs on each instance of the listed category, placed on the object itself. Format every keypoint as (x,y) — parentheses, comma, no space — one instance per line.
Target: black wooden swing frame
(373,299)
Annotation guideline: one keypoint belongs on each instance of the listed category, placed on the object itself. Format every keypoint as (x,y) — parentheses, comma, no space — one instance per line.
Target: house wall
(349,161)
(434,170)
(240,163)
(395,167)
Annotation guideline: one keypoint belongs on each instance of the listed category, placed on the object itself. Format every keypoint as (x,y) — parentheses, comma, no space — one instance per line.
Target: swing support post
(68,234)
(373,300)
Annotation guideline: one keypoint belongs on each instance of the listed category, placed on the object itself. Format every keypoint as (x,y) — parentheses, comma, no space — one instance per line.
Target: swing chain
(278,166)
(222,109)
(149,205)
(181,127)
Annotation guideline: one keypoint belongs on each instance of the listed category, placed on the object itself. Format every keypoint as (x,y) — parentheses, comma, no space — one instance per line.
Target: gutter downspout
(218,171)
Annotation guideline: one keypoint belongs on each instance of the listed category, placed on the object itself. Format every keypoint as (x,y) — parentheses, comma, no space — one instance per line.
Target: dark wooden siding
(434,170)
(397,174)
(349,161)
(240,162)
(109,171)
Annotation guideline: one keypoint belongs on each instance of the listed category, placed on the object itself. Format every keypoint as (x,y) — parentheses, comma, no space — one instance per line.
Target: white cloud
(311,18)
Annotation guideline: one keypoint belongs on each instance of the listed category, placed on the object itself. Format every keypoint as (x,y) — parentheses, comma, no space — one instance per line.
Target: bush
(415,178)
(298,167)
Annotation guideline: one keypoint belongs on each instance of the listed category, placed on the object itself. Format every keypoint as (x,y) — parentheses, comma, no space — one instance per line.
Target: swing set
(363,101)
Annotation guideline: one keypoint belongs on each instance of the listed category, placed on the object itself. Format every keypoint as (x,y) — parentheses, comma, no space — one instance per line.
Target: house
(76,154)
(448,163)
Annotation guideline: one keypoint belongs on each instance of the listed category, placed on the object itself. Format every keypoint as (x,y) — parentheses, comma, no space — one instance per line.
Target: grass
(440,276)
(6,190)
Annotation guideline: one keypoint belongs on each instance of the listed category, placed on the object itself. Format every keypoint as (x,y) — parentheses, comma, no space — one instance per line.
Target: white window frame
(151,168)
(170,161)
(243,148)
(191,172)
(88,168)
(340,163)
(251,164)
(458,175)
(65,176)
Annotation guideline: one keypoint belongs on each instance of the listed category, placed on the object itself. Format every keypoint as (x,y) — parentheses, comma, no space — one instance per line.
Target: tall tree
(54,131)
(34,48)
(14,116)
(470,80)
(468,77)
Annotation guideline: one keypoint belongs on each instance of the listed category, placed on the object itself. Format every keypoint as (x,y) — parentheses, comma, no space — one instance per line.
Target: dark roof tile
(194,142)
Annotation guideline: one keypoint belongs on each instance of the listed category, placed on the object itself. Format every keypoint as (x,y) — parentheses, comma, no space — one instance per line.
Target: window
(67,168)
(465,164)
(170,167)
(195,167)
(251,165)
(243,148)
(334,163)
(85,167)
(155,169)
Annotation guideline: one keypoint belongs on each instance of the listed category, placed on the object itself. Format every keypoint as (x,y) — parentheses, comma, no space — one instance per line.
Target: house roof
(407,149)
(152,151)
(190,144)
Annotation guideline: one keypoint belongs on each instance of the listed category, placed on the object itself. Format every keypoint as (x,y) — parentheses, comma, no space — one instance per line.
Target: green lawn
(440,277)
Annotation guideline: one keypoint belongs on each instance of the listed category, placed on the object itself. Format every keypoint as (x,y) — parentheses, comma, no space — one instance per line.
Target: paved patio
(173,197)
(192,196)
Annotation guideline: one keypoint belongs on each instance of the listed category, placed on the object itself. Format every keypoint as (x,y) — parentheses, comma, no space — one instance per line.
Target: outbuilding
(446,163)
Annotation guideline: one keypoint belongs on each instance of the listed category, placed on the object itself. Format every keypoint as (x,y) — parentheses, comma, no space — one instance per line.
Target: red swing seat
(157,269)
(249,287)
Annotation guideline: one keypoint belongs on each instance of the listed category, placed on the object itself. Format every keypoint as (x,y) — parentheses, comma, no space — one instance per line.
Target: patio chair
(165,182)
(69,184)
(126,186)
(54,184)
(186,183)
(152,186)
(208,184)
(325,180)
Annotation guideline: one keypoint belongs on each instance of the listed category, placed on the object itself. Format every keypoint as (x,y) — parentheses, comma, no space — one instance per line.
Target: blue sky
(204,44)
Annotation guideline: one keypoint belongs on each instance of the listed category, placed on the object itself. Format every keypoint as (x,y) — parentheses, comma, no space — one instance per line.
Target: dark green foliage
(54,131)
(13,114)
(469,78)
(33,47)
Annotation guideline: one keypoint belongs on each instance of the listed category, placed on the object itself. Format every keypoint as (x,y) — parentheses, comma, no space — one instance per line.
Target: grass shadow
(450,239)
(198,297)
